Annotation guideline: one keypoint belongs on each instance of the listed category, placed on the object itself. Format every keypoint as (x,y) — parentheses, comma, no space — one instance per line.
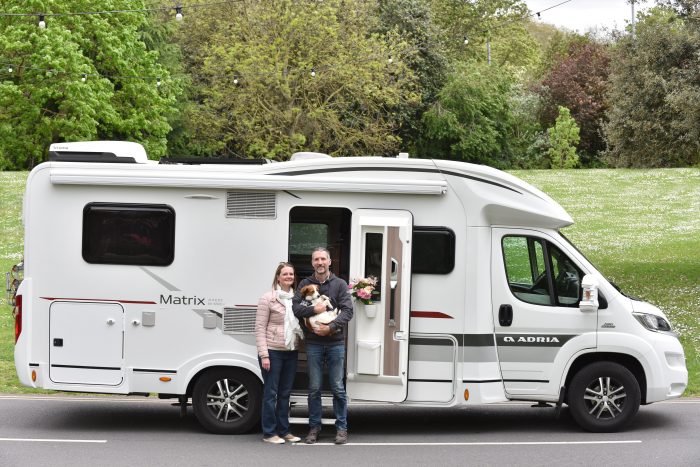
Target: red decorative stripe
(430,314)
(137,302)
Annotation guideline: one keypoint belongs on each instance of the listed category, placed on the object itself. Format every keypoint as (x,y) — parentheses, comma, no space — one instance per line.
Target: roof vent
(302,156)
(98,151)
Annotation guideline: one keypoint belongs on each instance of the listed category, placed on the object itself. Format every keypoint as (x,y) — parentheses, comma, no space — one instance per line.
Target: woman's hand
(265,363)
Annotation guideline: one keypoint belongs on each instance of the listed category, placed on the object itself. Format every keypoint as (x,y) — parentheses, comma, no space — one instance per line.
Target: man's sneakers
(341,437)
(312,437)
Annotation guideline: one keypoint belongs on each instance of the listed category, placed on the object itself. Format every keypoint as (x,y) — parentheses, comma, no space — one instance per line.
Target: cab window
(538,272)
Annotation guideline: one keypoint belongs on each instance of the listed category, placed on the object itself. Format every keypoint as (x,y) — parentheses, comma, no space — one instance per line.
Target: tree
(282,76)
(526,138)
(411,20)
(471,120)
(501,23)
(563,138)
(578,81)
(82,77)
(654,120)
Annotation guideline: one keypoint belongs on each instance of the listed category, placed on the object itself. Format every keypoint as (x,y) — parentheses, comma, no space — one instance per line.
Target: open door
(378,339)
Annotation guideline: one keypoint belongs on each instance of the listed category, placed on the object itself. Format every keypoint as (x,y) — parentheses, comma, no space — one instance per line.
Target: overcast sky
(582,15)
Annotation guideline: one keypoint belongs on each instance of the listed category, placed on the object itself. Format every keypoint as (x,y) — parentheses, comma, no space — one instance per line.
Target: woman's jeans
(278,386)
(334,355)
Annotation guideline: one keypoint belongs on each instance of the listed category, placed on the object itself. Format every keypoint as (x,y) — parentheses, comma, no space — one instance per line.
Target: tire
(603,397)
(227,401)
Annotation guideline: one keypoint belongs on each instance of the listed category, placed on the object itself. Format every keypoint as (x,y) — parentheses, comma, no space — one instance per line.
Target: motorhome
(142,277)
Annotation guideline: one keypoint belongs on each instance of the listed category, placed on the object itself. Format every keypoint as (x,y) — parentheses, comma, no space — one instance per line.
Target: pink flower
(364,294)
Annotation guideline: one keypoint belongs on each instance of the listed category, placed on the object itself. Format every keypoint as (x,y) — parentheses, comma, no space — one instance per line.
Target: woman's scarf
(292,330)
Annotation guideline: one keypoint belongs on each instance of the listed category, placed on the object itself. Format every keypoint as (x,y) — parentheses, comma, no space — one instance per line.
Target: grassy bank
(640,227)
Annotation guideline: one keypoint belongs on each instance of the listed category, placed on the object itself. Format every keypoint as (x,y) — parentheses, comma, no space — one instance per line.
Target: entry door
(535,305)
(86,342)
(378,344)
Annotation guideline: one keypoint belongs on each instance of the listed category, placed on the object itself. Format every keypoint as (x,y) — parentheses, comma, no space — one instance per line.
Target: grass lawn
(641,228)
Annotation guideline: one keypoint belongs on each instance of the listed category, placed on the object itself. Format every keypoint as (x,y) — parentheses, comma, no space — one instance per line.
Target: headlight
(653,322)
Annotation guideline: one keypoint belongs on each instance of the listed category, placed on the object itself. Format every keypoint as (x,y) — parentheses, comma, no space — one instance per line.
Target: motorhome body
(143,278)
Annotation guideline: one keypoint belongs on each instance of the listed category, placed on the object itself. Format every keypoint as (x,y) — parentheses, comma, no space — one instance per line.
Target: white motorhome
(143,277)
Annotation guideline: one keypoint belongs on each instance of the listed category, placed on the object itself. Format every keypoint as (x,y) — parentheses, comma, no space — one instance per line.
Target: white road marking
(505,443)
(37,440)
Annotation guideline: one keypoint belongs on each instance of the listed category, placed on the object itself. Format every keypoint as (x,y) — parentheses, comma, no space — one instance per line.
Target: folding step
(299,403)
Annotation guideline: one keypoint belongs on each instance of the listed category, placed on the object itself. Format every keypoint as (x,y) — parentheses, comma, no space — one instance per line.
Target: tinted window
(136,234)
(374,242)
(433,250)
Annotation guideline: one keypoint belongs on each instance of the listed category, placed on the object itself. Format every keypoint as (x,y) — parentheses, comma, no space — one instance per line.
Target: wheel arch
(201,371)
(627,361)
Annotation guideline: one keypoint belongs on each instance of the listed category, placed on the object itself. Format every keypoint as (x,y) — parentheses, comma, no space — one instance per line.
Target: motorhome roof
(503,198)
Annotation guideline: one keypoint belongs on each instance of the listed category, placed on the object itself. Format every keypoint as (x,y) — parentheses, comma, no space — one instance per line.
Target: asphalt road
(117,431)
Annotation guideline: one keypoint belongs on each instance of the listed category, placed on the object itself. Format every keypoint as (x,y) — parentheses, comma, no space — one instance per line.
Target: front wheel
(603,397)
(227,400)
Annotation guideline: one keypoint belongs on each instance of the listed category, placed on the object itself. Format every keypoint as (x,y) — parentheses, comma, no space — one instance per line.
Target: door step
(298,403)
(305,421)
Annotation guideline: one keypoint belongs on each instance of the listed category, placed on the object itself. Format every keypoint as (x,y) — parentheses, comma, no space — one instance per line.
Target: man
(327,343)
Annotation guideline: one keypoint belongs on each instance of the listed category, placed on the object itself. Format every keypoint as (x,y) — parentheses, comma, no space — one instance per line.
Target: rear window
(137,234)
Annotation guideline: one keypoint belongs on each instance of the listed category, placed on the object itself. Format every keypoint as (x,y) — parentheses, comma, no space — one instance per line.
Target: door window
(538,272)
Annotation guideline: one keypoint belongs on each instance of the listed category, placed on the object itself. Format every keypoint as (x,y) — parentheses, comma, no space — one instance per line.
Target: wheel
(227,400)
(603,397)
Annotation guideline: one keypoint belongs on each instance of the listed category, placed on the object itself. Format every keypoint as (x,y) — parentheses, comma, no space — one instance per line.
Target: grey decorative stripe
(431,353)
(533,340)
(160,280)
(527,354)
(464,340)
(479,354)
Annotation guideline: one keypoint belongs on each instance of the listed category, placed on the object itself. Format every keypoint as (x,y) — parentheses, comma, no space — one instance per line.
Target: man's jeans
(278,386)
(334,356)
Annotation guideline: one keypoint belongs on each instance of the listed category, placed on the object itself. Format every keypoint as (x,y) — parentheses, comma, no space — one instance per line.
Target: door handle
(505,315)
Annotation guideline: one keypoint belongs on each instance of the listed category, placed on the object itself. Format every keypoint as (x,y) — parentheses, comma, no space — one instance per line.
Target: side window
(138,234)
(538,272)
(526,269)
(373,260)
(433,250)
(567,277)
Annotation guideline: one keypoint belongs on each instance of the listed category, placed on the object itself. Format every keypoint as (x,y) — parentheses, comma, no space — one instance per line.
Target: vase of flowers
(362,291)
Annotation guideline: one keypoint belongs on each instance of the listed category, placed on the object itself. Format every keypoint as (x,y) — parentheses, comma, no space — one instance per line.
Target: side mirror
(589,301)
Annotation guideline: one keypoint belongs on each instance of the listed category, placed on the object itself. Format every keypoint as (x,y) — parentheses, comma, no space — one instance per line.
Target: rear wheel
(227,400)
(603,397)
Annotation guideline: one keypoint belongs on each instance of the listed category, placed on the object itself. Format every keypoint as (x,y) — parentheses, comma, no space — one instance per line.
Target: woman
(276,334)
